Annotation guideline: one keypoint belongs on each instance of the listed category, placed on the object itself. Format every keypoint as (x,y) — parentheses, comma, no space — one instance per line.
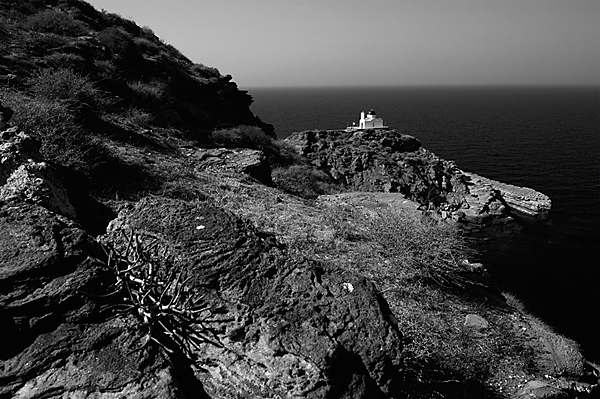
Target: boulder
(25,177)
(281,327)
(234,161)
(476,322)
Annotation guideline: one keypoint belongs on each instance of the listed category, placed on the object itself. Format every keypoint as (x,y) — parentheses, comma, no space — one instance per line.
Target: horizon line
(467,85)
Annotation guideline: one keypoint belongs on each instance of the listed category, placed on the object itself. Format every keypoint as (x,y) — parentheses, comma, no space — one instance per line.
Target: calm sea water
(546,138)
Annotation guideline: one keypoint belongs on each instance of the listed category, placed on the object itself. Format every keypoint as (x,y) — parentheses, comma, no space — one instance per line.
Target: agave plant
(153,285)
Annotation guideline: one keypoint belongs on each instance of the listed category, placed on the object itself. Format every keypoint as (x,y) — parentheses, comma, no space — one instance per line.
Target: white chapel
(370,121)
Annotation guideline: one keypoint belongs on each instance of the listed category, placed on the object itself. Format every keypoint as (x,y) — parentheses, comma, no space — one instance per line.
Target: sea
(546,138)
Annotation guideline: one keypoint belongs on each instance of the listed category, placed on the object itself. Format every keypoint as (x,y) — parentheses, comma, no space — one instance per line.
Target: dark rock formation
(280,327)
(6,113)
(286,328)
(237,160)
(56,343)
(53,285)
(384,160)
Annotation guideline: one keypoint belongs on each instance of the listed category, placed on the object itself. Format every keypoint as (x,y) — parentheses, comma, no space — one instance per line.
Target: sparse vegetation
(65,85)
(303,180)
(149,93)
(54,124)
(419,266)
(79,79)
(278,153)
(54,21)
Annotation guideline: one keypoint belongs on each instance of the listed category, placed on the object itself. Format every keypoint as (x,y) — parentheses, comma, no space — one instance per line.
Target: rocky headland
(386,161)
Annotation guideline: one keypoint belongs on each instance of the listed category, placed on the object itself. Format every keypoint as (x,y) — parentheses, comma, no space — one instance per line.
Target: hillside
(157,241)
(83,79)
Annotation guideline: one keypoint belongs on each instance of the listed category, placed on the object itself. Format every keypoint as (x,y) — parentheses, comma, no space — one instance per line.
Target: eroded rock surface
(522,200)
(233,160)
(287,328)
(57,342)
(282,327)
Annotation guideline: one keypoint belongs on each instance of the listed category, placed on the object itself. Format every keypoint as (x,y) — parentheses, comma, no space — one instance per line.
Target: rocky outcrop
(284,328)
(25,177)
(384,160)
(276,326)
(233,160)
(54,283)
(520,200)
(57,341)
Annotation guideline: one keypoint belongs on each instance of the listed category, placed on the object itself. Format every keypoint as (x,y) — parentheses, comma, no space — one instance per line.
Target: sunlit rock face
(24,176)
(521,200)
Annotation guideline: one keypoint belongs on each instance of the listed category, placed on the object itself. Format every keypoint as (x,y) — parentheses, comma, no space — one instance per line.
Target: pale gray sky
(379,42)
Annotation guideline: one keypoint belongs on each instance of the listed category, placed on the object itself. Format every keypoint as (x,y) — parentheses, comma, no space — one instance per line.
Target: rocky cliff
(271,325)
(384,160)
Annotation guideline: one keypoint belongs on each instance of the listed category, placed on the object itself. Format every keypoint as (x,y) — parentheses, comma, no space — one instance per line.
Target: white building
(370,121)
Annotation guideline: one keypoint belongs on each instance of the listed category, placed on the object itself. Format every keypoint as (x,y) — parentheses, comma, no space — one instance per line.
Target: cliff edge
(387,161)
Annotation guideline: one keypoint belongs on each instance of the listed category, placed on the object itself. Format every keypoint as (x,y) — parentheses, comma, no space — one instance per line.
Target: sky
(287,43)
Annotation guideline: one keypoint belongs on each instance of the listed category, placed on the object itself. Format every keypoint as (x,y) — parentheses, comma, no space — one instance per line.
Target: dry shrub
(242,136)
(106,69)
(65,85)
(303,180)
(54,125)
(54,21)
(64,60)
(147,46)
(152,92)
(136,117)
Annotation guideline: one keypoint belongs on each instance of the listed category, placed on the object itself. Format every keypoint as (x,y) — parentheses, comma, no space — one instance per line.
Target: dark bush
(284,154)
(65,85)
(54,21)
(205,72)
(53,124)
(149,93)
(118,41)
(242,137)
(303,180)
